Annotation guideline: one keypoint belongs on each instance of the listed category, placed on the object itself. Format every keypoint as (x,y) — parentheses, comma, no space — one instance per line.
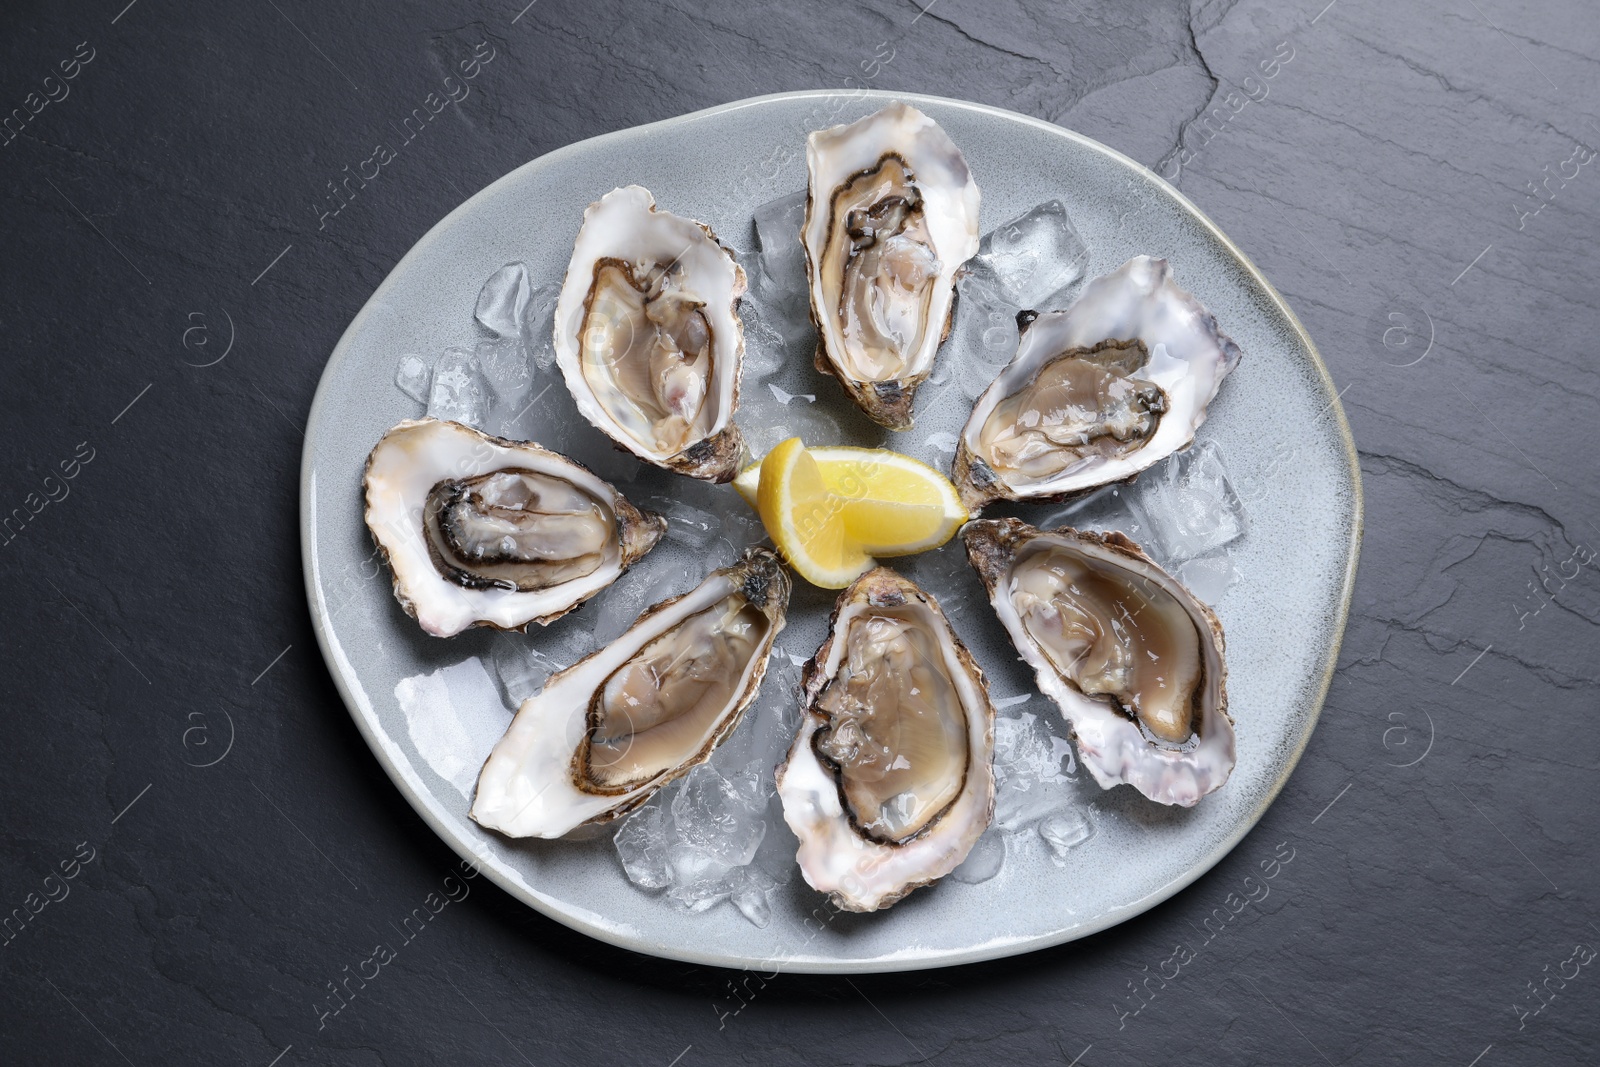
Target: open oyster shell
(611,729)
(1134,661)
(892,212)
(1096,393)
(482,531)
(889,782)
(648,337)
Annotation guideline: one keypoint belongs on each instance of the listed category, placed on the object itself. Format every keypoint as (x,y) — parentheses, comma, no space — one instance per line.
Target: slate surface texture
(199,843)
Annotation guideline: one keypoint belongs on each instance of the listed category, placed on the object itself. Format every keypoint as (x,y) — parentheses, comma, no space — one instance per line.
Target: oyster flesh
(610,730)
(1132,658)
(648,337)
(889,782)
(1096,393)
(892,211)
(481,531)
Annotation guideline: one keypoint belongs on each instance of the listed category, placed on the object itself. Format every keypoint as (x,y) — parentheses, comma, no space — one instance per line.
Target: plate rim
(422,804)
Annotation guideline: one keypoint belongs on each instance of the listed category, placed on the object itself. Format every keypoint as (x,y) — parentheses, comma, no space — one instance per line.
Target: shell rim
(813,681)
(507,880)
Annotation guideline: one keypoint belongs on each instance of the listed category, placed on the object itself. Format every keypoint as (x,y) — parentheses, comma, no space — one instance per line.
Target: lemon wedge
(803,518)
(830,509)
(894,505)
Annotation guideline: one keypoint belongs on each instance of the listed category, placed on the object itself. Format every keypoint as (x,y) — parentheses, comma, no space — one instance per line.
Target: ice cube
(550,417)
(460,391)
(762,437)
(769,724)
(453,716)
(697,879)
(1016,749)
(1030,780)
(1106,509)
(628,597)
(750,888)
(503,301)
(984,336)
(697,837)
(948,574)
(1064,831)
(1188,505)
(505,366)
(778,225)
(520,668)
(642,846)
(687,524)
(779,342)
(765,347)
(539,325)
(1209,576)
(985,859)
(741,528)
(723,818)
(1035,255)
(413,377)
(812,423)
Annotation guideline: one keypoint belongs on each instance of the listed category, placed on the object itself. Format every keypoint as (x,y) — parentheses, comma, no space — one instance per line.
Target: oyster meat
(610,730)
(1096,393)
(481,531)
(648,337)
(891,212)
(889,782)
(1132,658)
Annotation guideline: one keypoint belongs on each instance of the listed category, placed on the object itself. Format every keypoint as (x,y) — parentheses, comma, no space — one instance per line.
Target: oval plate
(1277,420)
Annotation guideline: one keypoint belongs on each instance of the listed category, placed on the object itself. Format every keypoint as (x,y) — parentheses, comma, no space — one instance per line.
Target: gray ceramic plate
(1277,421)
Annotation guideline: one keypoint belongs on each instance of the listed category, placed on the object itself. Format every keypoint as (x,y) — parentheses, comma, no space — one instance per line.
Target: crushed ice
(414,377)
(686,523)
(782,260)
(454,717)
(1035,255)
(503,301)
(498,384)
(1028,263)
(461,392)
(1184,512)
(701,837)
(1036,773)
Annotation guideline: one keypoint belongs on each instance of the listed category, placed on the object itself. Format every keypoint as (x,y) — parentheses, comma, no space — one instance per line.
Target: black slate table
(197,845)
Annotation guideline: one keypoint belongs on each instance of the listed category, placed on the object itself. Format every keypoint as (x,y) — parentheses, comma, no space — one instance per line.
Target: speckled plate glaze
(1277,420)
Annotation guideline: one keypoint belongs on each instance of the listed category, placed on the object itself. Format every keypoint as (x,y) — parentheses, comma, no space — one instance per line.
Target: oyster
(611,729)
(1096,393)
(889,782)
(1134,661)
(892,211)
(648,337)
(481,531)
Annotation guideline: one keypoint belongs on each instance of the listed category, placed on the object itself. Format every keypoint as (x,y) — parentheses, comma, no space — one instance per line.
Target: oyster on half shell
(1096,393)
(1134,661)
(889,782)
(891,212)
(611,729)
(648,336)
(482,531)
